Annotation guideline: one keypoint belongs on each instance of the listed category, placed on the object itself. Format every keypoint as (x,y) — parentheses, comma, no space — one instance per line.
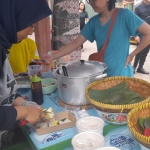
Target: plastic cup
(87,141)
(34,70)
(90,123)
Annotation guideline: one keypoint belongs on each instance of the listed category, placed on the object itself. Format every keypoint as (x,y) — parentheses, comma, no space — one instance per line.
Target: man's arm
(145,30)
(67,49)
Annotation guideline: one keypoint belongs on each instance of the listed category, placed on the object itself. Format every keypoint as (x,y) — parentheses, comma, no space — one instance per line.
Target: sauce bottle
(36,89)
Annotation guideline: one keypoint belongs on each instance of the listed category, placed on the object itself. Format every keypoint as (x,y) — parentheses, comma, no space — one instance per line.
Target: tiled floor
(91,48)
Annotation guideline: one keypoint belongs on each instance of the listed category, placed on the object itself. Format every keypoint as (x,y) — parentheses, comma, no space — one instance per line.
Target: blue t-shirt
(117,51)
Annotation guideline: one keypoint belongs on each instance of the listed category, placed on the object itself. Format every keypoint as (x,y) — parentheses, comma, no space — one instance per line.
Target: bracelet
(25,103)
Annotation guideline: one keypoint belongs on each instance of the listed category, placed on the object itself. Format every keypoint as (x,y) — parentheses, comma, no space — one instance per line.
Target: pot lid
(83,68)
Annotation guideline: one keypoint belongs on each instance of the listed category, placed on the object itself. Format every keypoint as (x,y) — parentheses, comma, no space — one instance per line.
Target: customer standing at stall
(17,20)
(83,17)
(116,54)
(142,11)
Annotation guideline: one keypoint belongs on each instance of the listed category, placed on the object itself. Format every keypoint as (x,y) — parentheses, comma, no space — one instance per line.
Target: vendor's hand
(34,114)
(129,60)
(18,101)
(137,39)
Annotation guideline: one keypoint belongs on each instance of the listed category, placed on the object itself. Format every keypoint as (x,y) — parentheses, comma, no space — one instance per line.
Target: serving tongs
(65,71)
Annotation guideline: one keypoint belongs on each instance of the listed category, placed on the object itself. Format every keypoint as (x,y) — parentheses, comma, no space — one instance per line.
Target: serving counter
(115,135)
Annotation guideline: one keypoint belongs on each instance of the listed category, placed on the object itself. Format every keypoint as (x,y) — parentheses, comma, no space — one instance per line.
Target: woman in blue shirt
(116,55)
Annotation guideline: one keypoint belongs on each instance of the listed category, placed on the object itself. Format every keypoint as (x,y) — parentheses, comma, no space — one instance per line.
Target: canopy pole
(42,38)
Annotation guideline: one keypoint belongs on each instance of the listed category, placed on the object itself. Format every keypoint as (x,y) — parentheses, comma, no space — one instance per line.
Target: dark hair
(111,4)
(84,6)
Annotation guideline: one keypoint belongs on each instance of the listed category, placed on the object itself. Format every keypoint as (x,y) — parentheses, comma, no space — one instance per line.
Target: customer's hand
(47,57)
(129,60)
(137,39)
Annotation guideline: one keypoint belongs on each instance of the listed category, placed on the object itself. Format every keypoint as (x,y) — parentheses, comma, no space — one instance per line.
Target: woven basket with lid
(135,84)
(142,111)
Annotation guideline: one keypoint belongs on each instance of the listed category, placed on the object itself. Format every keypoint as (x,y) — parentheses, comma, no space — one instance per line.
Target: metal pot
(79,75)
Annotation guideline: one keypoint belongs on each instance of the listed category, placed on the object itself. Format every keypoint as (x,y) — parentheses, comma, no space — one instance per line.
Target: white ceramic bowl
(113,118)
(108,148)
(87,141)
(90,123)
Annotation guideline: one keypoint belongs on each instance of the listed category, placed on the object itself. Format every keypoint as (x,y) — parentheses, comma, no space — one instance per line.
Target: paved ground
(91,48)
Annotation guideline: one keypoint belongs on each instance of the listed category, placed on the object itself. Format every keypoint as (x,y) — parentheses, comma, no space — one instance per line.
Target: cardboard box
(59,116)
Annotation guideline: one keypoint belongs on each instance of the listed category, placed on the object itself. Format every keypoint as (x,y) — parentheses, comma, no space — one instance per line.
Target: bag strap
(102,50)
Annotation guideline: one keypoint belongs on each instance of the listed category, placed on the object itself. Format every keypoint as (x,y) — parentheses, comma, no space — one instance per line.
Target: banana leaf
(116,95)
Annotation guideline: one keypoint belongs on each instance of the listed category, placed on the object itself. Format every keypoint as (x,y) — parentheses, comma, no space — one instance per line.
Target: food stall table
(115,135)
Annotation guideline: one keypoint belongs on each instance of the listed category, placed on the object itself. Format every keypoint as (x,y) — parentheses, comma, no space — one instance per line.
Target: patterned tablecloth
(115,135)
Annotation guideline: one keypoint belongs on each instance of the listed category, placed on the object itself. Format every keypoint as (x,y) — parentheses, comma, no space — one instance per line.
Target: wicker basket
(142,111)
(137,85)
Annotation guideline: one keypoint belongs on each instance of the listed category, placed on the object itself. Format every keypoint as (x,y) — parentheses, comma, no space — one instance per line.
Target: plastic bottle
(36,87)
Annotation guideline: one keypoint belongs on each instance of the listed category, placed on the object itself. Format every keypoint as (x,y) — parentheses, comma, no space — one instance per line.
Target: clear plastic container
(34,70)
